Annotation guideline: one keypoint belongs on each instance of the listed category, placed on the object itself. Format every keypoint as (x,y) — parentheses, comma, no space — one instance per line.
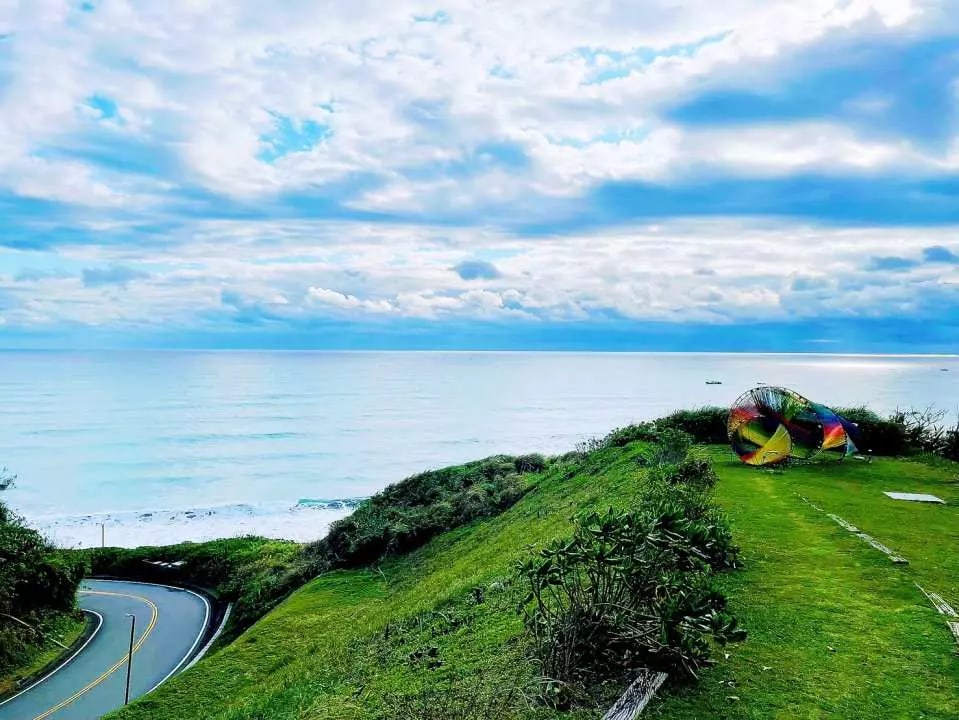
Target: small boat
(714,382)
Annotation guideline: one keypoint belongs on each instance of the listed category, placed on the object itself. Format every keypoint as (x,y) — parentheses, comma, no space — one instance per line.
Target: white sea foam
(303,521)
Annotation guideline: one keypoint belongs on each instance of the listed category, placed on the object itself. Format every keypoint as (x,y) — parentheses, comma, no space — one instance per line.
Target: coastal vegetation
(38,587)
(471,591)
(834,629)
(251,573)
(256,573)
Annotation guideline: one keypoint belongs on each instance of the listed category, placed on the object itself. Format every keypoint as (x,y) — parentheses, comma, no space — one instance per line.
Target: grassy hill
(834,628)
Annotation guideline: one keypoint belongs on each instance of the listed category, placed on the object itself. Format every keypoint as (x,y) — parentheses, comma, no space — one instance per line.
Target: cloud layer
(279,172)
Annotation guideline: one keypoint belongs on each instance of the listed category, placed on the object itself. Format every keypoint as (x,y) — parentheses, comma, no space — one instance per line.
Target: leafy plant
(37,585)
(630,590)
(876,435)
(671,447)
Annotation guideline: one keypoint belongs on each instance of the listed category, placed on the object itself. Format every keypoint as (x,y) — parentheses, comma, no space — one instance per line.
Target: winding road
(170,622)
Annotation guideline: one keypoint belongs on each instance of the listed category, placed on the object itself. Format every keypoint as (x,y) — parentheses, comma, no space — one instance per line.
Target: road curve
(170,623)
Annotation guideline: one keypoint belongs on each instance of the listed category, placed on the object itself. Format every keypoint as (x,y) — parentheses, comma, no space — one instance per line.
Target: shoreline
(301,521)
(479,351)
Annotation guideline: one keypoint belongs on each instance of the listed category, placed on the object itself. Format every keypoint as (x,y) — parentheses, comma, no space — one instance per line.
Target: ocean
(164,446)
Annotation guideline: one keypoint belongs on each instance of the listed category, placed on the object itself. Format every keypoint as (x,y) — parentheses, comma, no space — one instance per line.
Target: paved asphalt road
(169,625)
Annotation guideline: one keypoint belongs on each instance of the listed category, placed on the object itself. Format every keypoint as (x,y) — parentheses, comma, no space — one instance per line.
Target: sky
(587,174)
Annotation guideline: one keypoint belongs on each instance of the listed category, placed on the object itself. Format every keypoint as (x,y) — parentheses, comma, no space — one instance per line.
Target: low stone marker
(846,525)
(954,626)
(891,554)
(943,608)
(915,497)
(940,604)
(637,696)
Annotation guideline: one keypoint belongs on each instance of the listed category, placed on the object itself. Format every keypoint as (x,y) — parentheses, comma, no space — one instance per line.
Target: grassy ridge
(808,586)
(256,573)
(835,630)
(342,645)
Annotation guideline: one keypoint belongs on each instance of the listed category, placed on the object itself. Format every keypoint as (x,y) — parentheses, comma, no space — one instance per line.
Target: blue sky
(762,175)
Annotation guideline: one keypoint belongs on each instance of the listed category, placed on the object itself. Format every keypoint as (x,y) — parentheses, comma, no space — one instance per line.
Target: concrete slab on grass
(915,497)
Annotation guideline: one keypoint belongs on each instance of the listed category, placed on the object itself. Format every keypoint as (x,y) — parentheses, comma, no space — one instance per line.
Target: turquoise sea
(167,445)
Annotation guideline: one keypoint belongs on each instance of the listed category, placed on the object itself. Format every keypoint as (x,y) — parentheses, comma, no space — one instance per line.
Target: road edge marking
(219,631)
(155,614)
(206,623)
(66,662)
(189,653)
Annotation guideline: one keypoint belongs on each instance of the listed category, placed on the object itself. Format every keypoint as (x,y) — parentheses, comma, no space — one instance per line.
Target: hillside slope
(835,629)
(38,585)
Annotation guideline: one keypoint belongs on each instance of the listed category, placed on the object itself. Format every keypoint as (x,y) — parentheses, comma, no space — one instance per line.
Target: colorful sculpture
(769,425)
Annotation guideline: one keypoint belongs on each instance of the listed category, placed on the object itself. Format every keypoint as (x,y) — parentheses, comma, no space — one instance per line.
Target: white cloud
(504,116)
(347,302)
(716,271)
(395,93)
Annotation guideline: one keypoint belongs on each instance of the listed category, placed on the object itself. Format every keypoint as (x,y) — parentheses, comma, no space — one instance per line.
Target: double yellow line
(154,612)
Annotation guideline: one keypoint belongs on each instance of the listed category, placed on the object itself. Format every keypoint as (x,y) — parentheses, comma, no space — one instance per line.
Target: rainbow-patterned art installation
(770,425)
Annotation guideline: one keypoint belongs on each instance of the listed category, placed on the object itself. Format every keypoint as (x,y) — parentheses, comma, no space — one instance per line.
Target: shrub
(877,435)
(671,446)
(625,592)
(925,432)
(701,425)
(37,585)
(631,433)
(705,424)
(694,470)
(410,513)
(529,463)
(631,590)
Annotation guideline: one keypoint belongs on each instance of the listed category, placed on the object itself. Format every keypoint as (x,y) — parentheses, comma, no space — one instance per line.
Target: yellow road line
(154,612)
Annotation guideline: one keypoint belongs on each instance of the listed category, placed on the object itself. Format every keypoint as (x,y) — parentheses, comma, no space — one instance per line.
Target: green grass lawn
(835,629)
(65,628)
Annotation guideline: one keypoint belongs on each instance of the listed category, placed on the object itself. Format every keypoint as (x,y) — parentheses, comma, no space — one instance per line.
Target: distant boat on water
(714,382)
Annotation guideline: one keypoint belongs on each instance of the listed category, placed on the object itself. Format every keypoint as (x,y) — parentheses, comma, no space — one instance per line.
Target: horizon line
(484,351)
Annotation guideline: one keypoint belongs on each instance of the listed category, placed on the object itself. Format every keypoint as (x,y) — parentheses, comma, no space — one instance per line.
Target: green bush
(529,463)
(671,446)
(626,435)
(631,590)
(876,435)
(904,432)
(926,433)
(695,470)
(37,585)
(410,513)
(706,425)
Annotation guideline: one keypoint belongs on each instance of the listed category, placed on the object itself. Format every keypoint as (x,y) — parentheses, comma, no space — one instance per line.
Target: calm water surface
(96,432)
